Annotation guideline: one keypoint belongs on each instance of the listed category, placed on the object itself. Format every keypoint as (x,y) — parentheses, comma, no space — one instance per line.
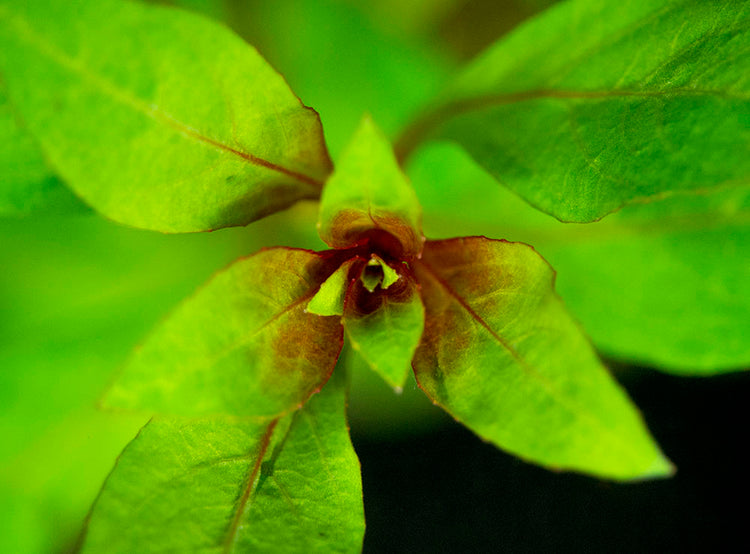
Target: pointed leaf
(594,105)
(501,354)
(176,126)
(241,345)
(384,326)
(329,300)
(26,183)
(217,485)
(368,195)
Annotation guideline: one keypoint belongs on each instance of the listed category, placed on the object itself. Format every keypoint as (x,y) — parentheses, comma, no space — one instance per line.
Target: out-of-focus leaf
(289,485)
(472,25)
(384,326)
(368,194)
(665,284)
(242,345)
(342,62)
(177,125)
(26,183)
(595,105)
(216,9)
(53,483)
(75,295)
(502,355)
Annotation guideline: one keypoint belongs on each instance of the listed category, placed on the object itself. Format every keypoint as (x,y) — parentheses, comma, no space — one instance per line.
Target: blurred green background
(77,293)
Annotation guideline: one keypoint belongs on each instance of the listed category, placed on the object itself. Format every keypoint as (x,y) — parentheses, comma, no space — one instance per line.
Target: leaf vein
(153,111)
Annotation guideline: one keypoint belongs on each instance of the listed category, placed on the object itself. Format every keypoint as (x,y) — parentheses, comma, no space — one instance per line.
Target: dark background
(447,491)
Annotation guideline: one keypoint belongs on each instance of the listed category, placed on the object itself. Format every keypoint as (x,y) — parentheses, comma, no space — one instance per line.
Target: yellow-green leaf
(369,198)
(242,345)
(384,324)
(233,486)
(329,300)
(502,355)
(156,117)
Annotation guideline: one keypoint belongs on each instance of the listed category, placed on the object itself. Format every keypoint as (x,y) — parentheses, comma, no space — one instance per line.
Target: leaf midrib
(249,485)
(27,34)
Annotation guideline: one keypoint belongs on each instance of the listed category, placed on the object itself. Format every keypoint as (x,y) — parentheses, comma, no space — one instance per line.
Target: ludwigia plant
(162,120)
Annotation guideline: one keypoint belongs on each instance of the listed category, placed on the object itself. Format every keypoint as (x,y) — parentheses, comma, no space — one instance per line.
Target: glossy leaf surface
(384,326)
(368,193)
(502,355)
(216,485)
(666,284)
(241,345)
(177,125)
(595,105)
(26,183)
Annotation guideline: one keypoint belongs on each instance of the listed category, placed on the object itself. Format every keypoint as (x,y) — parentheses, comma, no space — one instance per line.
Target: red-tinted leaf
(369,198)
(242,345)
(502,355)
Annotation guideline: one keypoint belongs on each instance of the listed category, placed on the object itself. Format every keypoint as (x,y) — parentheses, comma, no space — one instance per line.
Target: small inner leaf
(368,198)
(378,273)
(385,326)
(329,300)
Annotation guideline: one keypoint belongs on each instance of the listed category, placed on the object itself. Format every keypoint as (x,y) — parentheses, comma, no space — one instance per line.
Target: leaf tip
(662,468)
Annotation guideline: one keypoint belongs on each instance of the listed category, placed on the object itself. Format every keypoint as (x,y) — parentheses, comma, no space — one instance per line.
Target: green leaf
(177,125)
(368,195)
(665,284)
(377,273)
(329,300)
(242,345)
(502,355)
(594,105)
(26,183)
(384,324)
(216,9)
(217,485)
